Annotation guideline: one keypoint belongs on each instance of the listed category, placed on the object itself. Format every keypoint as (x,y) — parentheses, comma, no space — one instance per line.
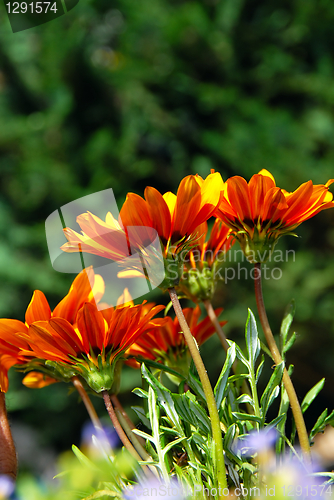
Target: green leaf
(170,445)
(220,388)
(143,435)
(252,338)
(239,353)
(244,398)
(259,370)
(329,420)
(160,367)
(140,412)
(312,394)
(195,384)
(266,350)
(272,389)
(246,417)
(83,459)
(163,395)
(228,443)
(238,376)
(191,411)
(286,323)
(289,343)
(140,392)
(201,442)
(277,420)
(320,424)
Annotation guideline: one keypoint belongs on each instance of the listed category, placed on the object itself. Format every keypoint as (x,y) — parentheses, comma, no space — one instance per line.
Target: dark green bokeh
(127,94)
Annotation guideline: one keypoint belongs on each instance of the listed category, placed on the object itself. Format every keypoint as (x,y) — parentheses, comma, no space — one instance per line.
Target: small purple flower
(299,480)
(155,488)
(7,486)
(257,441)
(99,439)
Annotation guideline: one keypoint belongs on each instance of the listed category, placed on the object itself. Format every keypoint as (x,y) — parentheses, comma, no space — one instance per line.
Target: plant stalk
(294,403)
(88,404)
(8,460)
(121,434)
(132,437)
(118,406)
(207,388)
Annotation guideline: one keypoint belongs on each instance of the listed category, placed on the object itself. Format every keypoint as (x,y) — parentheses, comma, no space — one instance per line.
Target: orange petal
(159,213)
(9,327)
(79,293)
(187,206)
(238,194)
(37,380)
(170,199)
(6,362)
(265,173)
(91,326)
(258,187)
(38,309)
(135,212)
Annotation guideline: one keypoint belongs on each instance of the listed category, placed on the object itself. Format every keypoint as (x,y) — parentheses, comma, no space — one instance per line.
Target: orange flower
(202,265)
(10,352)
(91,347)
(259,212)
(166,344)
(175,218)
(86,287)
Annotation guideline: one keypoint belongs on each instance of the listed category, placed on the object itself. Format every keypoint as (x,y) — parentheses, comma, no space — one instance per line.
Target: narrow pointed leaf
(312,394)
(286,323)
(221,386)
(252,338)
(268,393)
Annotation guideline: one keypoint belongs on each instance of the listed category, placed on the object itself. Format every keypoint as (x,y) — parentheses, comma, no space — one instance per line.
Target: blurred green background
(122,94)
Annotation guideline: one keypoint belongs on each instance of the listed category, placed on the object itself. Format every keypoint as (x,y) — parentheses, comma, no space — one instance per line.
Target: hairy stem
(294,403)
(87,402)
(121,434)
(207,388)
(214,320)
(8,460)
(118,406)
(132,437)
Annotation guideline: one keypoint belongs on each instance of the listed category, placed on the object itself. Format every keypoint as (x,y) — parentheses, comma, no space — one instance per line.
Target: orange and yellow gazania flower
(202,265)
(87,287)
(167,344)
(175,218)
(91,347)
(260,212)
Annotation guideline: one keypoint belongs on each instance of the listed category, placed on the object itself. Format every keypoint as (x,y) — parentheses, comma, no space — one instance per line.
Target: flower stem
(121,434)
(87,402)
(8,460)
(214,320)
(128,426)
(118,406)
(294,403)
(210,399)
